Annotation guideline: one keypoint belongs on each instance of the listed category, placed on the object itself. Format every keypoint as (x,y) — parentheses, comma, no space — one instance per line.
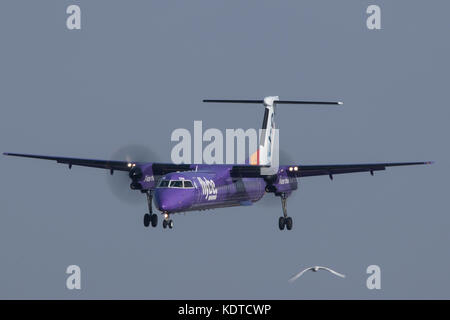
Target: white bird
(315,269)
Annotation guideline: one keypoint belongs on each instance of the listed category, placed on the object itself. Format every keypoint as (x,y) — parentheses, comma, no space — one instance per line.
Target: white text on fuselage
(209,189)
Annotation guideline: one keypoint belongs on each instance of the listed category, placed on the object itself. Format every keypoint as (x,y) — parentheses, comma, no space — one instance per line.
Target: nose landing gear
(284,221)
(167,222)
(150,217)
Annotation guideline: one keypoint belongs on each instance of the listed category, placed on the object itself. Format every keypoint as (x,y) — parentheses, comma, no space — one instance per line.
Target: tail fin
(268,140)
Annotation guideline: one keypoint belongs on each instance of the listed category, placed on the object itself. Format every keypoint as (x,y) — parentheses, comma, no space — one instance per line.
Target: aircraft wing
(94,163)
(330,170)
(251,171)
(158,168)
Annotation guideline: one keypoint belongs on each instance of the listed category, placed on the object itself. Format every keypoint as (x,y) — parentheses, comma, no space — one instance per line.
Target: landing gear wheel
(284,220)
(164,224)
(281,223)
(170,223)
(288,222)
(147,219)
(154,220)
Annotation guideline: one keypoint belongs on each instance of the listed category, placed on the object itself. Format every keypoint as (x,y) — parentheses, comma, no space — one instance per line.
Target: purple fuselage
(209,187)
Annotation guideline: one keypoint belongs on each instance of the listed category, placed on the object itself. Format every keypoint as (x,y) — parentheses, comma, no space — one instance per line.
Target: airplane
(177,188)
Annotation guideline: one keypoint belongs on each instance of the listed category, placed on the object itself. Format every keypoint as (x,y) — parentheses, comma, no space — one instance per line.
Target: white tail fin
(263,156)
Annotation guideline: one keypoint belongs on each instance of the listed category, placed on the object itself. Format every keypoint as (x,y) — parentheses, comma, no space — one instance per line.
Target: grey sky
(138,70)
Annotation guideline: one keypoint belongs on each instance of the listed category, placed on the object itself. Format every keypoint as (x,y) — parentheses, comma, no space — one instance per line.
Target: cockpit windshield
(185,184)
(164,183)
(176,184)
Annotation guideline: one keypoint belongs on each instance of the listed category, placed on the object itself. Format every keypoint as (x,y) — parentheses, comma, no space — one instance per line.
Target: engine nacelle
(136,173)
(142,177)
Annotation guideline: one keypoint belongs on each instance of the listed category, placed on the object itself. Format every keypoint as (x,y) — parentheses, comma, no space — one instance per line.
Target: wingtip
(340,103)
(429,162)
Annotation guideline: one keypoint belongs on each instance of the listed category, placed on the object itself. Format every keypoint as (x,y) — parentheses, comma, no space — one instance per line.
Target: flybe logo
(209,189)
(149,178)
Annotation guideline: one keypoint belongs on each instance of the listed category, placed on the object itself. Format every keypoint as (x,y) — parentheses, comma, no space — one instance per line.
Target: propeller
(119,182)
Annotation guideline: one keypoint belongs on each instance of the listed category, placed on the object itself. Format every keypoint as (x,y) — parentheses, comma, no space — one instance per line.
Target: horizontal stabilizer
(275,102)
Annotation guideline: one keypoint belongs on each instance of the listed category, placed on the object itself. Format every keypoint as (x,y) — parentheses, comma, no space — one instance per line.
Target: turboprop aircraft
(187,187)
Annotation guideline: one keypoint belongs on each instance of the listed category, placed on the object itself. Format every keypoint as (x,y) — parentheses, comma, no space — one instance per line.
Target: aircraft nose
(165,205)
(163,200)
(172,200)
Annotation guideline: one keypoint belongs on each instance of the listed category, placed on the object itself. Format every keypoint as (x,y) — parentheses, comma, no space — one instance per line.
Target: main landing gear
(150,217)
(284,221)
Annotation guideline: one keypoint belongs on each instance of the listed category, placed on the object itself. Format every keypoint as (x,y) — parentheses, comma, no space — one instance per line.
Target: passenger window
(164,184)
(188,184)
(176,184)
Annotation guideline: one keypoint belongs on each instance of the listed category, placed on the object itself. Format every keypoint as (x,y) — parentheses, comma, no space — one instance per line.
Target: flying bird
(315,269)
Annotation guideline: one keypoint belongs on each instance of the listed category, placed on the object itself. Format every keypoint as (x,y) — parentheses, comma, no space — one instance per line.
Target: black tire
(289,223)
(281,223)
(170,224)
(147,220)
(154,220)
(164,223)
